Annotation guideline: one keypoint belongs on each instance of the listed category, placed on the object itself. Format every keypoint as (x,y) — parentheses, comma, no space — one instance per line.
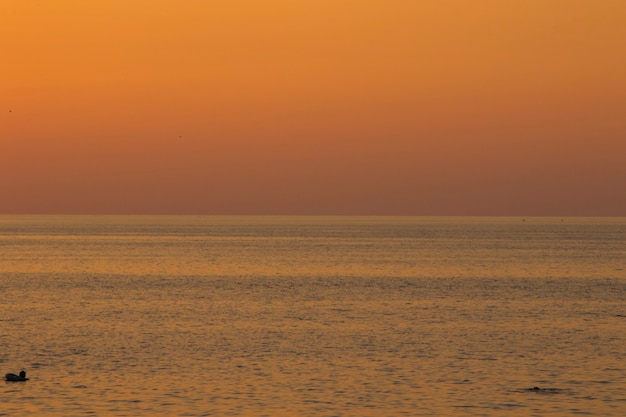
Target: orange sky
(430,107)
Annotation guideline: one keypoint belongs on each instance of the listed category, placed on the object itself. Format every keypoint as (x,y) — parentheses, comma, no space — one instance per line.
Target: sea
(312,316)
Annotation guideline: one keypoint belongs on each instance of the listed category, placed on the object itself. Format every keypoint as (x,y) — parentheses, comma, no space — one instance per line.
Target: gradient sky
(429,107)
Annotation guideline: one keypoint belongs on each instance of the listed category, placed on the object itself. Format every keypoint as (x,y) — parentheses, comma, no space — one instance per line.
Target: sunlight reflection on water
(205,316)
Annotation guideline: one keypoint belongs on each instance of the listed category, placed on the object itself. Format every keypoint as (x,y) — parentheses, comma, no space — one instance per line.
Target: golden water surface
(293,316)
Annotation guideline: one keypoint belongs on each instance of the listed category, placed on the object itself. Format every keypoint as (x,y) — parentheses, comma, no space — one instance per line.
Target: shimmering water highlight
(295,316)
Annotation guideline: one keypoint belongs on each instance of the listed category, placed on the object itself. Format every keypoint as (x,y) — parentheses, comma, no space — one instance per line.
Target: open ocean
(312,316)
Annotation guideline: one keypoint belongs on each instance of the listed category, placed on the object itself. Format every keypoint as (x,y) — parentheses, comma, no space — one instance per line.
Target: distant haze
(433,107)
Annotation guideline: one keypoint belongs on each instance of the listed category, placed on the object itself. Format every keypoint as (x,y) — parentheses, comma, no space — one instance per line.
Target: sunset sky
(407,107)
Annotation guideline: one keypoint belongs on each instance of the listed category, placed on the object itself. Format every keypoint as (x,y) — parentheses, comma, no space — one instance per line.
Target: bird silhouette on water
(16,378)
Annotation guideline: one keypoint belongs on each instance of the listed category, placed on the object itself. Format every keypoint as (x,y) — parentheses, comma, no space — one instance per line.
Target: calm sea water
(296,316)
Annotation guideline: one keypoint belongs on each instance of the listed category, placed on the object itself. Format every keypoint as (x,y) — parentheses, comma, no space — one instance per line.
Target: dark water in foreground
(291,316)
